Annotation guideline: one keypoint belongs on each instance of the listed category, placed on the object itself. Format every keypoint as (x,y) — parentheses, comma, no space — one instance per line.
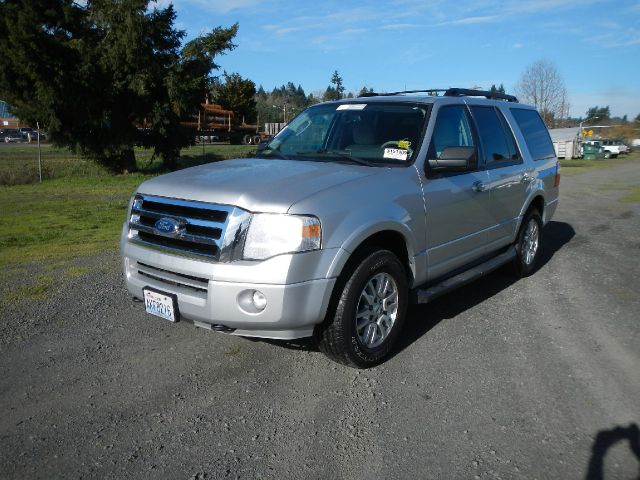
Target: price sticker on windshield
(396,154)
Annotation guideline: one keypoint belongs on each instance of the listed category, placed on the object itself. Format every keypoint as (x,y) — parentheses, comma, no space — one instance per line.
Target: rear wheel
(369,314)
(528,244)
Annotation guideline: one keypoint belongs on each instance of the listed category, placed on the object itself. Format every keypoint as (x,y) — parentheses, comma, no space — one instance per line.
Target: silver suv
(355,209)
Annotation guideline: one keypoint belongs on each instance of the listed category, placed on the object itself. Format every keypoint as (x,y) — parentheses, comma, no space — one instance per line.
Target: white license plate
(161,304)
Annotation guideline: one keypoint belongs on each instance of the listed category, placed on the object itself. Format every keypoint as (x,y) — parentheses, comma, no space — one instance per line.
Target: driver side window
(451,129)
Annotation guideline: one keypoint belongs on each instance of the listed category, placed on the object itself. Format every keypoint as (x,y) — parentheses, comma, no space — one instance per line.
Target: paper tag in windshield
(352,106)
(404,144)
(395,153)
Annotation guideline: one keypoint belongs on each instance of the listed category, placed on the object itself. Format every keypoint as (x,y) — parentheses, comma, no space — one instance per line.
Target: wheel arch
(385,238)
(538,202)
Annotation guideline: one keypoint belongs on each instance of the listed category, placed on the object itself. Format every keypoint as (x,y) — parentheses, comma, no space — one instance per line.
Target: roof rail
(431,91)
(467,92)
(451,92)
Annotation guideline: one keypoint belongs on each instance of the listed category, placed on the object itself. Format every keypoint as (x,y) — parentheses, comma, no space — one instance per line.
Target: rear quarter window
(535,133)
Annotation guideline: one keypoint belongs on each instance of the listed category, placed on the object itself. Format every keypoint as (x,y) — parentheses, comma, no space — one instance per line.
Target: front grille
(199,284)
(187,227)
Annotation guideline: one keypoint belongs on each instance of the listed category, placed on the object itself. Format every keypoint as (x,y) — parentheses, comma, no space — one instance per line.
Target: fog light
(259,300)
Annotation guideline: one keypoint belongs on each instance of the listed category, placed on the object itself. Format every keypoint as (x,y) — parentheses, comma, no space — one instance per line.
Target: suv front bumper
(213,295)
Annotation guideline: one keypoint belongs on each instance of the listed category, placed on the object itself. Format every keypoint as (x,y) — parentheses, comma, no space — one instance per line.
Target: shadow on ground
(422,318)
(605,439)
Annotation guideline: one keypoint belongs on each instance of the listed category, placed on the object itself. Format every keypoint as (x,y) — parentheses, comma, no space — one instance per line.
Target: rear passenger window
(535,133)
(451,130)
(497,143)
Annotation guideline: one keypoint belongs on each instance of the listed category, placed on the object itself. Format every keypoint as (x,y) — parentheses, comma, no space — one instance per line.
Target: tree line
(93,72)
(256,105)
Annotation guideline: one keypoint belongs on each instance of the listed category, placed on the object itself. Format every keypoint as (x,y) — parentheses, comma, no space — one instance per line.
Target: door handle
(478,187)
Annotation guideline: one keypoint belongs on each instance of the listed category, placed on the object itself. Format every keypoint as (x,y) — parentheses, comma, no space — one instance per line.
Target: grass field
(79,208)
(19,163)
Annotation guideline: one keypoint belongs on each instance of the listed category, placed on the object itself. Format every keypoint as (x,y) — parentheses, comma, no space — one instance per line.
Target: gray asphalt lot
(538,378)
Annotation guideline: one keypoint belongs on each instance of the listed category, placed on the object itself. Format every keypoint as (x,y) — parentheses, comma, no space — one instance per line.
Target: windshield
(373,133)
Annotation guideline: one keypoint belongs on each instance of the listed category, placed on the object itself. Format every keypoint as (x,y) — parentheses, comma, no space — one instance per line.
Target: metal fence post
(39,153)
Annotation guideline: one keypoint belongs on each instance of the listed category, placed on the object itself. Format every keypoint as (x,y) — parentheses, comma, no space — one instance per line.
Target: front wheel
(369,314)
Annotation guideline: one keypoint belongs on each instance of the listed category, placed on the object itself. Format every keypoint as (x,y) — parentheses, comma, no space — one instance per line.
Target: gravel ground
(538,378)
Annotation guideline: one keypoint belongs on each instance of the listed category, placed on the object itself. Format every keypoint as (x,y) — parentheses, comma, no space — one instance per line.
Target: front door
(456,205)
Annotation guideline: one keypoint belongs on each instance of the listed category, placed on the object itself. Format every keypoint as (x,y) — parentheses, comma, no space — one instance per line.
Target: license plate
(161,304)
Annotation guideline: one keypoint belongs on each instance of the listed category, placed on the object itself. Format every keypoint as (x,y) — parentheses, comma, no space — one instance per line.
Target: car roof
(429,100)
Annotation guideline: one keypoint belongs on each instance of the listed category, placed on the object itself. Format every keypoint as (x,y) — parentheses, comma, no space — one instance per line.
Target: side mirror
(455,159)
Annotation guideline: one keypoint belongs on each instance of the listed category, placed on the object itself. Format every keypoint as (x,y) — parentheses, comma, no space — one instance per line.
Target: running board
(428,294)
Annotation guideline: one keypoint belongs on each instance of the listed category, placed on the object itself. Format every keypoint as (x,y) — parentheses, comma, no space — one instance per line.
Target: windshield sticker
(404,144)
(395,153)
(352,106)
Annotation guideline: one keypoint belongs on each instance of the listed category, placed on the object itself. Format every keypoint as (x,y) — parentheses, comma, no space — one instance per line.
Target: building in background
(7,119)
(566,142)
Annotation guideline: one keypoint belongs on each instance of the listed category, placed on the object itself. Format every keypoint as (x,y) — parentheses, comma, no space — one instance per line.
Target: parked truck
(216,124)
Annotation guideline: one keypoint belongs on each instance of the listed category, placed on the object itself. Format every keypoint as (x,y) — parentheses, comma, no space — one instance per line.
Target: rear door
(458,212)
(508,179)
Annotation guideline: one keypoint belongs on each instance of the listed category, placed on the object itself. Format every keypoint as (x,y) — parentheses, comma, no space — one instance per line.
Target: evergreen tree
(335,92)
(91,72)
(237,94)
(598,113)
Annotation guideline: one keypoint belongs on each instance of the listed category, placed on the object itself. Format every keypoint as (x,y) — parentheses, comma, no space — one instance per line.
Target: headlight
(273,234)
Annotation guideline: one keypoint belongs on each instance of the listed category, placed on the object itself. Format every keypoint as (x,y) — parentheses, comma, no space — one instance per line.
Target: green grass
(39,290)
(19,164)
(79,208)
(62,218)
(577,166)
(632,195)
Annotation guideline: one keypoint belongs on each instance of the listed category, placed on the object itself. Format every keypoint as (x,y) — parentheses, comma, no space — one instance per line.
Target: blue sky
(411,44)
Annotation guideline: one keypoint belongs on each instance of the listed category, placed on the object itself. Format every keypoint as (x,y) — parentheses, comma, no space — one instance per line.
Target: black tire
(523,265)
(338,337)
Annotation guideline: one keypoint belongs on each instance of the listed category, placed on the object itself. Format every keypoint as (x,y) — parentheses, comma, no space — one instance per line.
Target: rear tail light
(556,182)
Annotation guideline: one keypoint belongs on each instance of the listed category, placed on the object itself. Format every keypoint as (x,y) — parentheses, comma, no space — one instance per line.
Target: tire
(528,245)
(607,154)
(362,324)
(256,139)
(246,140)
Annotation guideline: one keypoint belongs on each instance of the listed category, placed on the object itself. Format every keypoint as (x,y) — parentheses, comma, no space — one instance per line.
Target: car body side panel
(391,200)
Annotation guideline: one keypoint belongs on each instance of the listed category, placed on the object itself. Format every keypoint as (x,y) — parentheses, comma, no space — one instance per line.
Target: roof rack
(431,91)
(451,92)
(468,92)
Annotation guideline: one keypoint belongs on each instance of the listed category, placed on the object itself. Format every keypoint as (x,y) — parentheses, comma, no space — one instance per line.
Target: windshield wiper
(277,153)
(338,153)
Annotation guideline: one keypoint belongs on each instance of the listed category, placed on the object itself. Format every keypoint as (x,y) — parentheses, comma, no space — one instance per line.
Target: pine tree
(91,72)
(237,94)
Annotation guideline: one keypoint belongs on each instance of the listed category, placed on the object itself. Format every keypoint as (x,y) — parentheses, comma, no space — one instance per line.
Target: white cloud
(221,6)
(469,20)
(620,99)
(400,26)
(517,45)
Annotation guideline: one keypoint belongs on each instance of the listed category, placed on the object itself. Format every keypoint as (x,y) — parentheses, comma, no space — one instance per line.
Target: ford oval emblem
(168,225)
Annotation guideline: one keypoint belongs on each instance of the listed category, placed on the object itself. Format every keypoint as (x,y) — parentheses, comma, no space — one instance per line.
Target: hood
(257,185)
